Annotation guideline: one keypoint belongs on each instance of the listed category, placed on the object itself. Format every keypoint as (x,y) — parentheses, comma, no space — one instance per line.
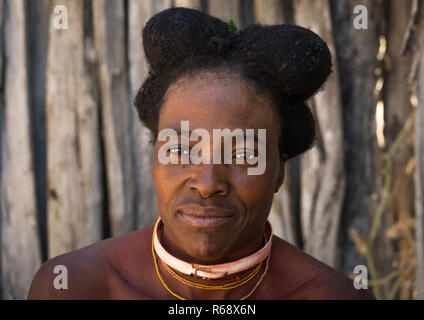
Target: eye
(178,151)
(245,154)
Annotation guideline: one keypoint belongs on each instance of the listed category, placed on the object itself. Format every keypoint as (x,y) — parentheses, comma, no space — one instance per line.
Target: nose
(210,180)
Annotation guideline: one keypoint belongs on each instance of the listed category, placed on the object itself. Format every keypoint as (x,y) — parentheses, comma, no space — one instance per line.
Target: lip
(202,217)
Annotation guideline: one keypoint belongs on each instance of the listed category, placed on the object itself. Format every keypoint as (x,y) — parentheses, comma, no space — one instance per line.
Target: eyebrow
(237,136)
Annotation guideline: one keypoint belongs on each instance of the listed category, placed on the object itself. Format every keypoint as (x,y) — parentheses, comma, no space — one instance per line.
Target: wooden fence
(75,163)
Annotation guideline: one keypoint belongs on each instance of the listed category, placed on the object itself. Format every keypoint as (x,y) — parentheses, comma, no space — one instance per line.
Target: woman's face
(213,211)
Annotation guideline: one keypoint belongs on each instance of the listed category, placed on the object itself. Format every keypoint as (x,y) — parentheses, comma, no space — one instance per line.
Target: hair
(287,62)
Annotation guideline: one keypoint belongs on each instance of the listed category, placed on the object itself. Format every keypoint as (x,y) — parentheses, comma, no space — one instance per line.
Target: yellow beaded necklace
(227,286)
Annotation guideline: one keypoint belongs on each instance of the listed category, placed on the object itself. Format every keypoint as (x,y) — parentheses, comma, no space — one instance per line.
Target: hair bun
(298,57)
(175,34)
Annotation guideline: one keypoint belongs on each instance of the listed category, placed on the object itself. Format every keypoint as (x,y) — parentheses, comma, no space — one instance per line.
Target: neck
(170,245)
(191,292)
(208,270)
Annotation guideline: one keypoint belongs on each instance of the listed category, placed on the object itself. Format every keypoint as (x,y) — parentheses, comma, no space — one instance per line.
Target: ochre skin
(123,268)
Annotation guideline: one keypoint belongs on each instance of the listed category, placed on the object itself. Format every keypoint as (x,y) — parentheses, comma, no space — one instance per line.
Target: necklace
(211,271)
(209,287)
(227,286)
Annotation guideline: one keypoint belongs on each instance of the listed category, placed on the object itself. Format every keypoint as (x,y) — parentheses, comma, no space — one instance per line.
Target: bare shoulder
(305,277)
(74,275)
(92,272)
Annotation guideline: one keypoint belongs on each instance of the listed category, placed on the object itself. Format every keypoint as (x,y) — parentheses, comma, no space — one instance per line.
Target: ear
(281,172)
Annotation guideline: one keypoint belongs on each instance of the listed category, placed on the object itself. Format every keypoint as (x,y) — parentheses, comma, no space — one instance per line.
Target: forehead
(217,101)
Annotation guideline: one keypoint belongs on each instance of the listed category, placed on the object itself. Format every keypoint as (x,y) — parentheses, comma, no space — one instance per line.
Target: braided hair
(288,62)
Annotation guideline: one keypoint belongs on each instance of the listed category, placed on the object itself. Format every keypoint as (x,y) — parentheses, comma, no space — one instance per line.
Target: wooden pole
(38,24)
(419,183)
(195,4)
(75,202)
(356,57)
(322,202)
(109,27)
(19,244)
(283,211)
(397,108)
(226,10)
(268,11)
(139,12)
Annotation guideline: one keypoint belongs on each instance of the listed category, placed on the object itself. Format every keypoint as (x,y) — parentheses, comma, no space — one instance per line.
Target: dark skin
(123,268)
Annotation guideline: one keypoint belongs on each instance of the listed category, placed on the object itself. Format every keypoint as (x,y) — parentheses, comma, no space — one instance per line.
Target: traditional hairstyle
(288,62)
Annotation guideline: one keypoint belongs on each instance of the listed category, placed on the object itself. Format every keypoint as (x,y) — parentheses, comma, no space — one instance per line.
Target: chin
(207,252)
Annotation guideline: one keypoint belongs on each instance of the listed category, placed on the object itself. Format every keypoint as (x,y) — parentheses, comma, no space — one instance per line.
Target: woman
(212,240)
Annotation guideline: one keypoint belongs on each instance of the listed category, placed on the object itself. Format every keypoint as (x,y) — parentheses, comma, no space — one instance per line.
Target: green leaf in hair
(232,26)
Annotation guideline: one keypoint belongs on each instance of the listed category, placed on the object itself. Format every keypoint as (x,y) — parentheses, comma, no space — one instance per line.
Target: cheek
(163,178)
(164,181)
(169,183)
(256,191)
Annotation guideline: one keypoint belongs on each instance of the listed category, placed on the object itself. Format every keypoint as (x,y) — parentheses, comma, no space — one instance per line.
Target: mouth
(204,217)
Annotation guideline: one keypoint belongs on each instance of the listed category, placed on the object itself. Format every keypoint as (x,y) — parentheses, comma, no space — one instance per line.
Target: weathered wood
(2,124)
(195,4)
(321,231)
(419,184)
(140,12)
(282,213)
(226,10)
(268,11)
(19,243)
(310,164)
(413,46)
(397,108)
(75,202)
(38,29)
(356,58)
(109,26)
(77,180)
(1,50)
